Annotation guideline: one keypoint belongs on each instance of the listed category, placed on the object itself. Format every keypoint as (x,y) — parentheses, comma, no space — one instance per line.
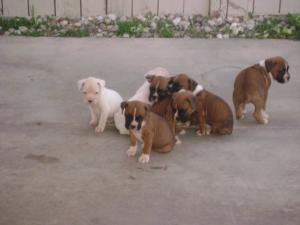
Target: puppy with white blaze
(103,103)
(142,95)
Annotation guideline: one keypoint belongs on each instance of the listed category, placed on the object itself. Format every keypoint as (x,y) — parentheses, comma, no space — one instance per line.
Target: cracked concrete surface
(55,170)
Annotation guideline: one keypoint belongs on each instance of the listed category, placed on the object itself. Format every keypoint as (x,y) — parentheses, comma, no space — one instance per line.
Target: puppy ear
(80,84)
(101,83)
(149,77)
(269,63)
(123,105)
(147,107)
(192,84)
(191,101)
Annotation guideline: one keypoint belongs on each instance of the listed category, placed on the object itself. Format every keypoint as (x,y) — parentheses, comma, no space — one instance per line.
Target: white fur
(262,63)
(142,94)
(197,89)
(138,135)
(104,102)
(132,151)
(144,158)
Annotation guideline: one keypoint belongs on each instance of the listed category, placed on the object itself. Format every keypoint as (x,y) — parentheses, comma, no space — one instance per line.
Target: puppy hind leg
(165,149)
(240,111)
(259,112)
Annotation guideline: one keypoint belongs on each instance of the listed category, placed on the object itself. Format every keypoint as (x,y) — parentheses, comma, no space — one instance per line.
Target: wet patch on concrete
(42,158)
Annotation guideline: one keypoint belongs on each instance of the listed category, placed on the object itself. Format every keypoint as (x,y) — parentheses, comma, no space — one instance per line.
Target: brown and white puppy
(158,87)
(252,85)
(203,109)
(147,127)
(183,81)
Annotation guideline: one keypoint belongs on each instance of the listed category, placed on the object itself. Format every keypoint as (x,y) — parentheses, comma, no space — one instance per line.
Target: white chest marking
(197,89)
(138,135)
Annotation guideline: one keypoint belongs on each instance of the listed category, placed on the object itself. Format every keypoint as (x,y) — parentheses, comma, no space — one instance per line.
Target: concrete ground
(54,170)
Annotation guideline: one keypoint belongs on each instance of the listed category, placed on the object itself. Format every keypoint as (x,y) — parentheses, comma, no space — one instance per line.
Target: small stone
(184,24)
(99,35)
(43,27)
(64,22)
(17,32)
(220,36)
(176,21)
(207,29)
(100,19)
(126,35)
(78,24)
(142,18)
(226,36)
(153,25)
(112,17)
(23,29)
(107,20)
(114,28)
(219,21)
(250,24)
(123,18)
(211,23)
(90,18)
(7,33)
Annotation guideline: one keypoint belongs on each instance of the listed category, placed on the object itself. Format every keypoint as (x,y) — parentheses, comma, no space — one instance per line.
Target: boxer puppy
(161,99)
(252,85)
(203,109)
(147,127)
(103,103)
(183,81)
(142,94)
(158,87)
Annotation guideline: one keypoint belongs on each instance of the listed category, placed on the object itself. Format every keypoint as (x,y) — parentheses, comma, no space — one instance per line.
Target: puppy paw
(178,142)
(93,123)
(265,115)
(208,130)
(131,151)
(144,158)
(99,129)
(182,132)
(199,133)
(265,121)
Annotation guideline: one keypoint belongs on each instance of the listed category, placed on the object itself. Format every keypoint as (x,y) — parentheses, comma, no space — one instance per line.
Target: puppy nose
(132,126)
(90,101)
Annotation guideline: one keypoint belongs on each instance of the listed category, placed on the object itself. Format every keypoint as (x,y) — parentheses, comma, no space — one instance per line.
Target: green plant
(165,29)
(74,33)
(133,27)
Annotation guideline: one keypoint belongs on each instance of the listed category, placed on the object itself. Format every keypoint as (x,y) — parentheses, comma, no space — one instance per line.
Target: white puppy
(142,94)
(103,102)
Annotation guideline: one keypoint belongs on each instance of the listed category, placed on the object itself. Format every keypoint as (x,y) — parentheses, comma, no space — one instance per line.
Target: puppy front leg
(145,157)
(102,120)
(94,119)
(202,122)
(133,146)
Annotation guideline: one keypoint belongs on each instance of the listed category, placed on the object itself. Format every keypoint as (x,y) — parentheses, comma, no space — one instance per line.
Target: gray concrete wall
(136,7)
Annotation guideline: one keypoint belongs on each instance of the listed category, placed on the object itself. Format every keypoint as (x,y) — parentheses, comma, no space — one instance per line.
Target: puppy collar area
(197,89)
(262,63)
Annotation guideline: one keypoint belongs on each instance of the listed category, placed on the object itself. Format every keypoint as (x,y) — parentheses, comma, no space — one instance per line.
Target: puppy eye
(96,92)
(85,92)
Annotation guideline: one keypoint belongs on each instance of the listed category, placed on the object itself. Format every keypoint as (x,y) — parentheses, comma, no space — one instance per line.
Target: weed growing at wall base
(150,25)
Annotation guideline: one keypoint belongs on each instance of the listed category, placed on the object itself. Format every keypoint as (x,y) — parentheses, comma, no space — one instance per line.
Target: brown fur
(252,85)
(185,82)
(206,108)
(156,133)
